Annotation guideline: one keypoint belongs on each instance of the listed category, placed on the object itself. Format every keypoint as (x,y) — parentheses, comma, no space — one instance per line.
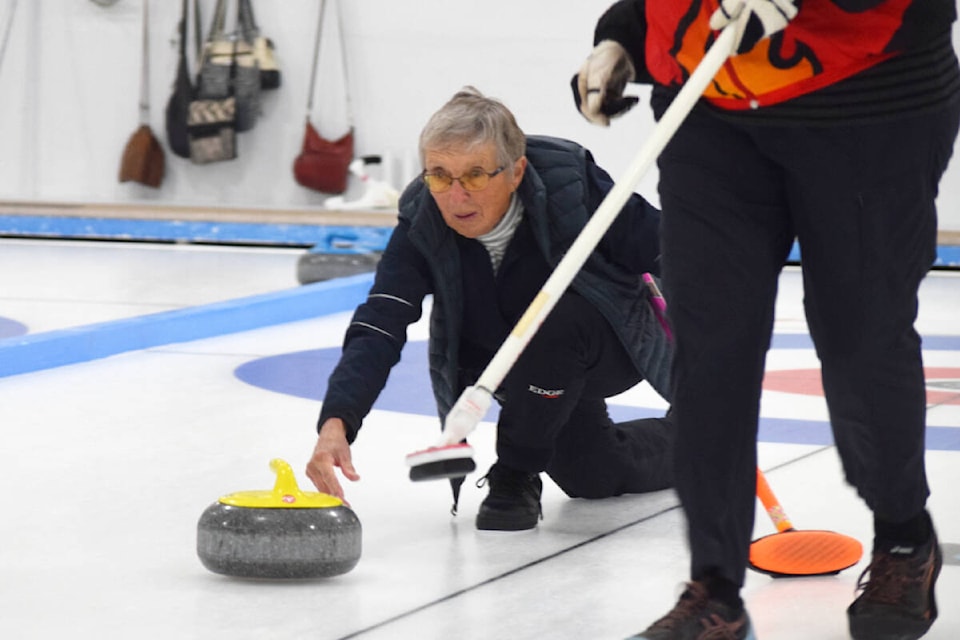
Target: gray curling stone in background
(282,533)
(314,266)
(343,251)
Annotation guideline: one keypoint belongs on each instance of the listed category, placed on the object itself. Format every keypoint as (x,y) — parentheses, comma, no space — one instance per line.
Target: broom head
(796,553)
(143,158)
(436,463)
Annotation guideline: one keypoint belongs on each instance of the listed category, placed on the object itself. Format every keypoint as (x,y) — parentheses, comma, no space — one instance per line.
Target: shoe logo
(546,393)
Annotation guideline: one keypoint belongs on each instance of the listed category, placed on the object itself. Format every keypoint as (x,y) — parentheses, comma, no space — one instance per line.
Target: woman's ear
(519,167)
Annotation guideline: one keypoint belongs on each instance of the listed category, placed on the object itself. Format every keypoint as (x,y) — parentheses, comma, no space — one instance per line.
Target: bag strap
(246,22)
(184,30)
(6,31)
(197,29)
(145,67)
(343,61)
(316,57)
(216,33)
(217,26)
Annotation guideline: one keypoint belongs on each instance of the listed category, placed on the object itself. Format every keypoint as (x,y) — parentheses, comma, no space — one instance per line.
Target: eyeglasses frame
(490,175)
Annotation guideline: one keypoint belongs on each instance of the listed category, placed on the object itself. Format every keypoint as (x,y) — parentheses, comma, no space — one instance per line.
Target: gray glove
(598,86)
(766,17)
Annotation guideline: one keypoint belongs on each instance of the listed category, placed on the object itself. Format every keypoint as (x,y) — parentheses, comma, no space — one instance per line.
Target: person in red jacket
(830,124)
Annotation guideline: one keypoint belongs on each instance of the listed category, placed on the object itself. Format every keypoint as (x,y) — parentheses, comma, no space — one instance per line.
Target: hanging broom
(143,158)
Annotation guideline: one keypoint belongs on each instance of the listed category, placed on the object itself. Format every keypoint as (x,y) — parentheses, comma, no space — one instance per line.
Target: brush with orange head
(791,552)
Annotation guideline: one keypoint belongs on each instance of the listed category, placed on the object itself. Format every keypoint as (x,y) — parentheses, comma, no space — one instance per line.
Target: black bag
(178,106)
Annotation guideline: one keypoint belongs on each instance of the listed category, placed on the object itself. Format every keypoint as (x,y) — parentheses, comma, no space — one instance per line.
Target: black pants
(860,201)
(554,414)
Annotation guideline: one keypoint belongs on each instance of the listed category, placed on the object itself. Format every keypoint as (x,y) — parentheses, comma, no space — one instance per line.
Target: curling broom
(793,552)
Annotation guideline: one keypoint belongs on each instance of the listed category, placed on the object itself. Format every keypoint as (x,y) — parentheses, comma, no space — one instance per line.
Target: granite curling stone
(282,533)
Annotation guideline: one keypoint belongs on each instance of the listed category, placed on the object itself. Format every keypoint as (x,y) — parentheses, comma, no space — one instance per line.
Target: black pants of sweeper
(860,201)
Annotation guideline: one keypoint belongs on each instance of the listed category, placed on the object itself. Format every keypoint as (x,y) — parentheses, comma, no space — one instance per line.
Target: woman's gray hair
(470,119)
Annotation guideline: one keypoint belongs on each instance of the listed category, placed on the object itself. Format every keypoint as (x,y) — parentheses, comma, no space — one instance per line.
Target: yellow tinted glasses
(474,180)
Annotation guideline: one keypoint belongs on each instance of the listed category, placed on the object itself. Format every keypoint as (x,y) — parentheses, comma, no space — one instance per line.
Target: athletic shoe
(897,601)
(698,617)
(513,503)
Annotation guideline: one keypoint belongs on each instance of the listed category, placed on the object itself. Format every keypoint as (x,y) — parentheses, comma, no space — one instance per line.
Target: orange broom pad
(790,552)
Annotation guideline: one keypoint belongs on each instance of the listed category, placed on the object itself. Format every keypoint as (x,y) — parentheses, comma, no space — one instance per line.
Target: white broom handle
(605,214)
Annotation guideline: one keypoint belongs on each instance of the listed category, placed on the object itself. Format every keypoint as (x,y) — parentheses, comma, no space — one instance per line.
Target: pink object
(438,454)
(659,304)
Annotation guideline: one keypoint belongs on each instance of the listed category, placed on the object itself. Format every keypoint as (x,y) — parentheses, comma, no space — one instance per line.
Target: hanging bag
(216,59)
(229,69)
(246,80)
(143,160)
(178,106)
(211,124)
(262,47)
(324,165)
(212,133)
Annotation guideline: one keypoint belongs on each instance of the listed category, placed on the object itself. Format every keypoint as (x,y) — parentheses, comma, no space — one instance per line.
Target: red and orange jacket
(828,41)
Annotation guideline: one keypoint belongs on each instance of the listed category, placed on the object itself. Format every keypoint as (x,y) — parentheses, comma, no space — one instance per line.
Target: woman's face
(473,213)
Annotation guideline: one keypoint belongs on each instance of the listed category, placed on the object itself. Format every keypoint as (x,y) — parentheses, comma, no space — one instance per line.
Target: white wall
(69,90)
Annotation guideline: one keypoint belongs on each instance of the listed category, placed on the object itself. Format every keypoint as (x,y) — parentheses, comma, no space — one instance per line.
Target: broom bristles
(143,159)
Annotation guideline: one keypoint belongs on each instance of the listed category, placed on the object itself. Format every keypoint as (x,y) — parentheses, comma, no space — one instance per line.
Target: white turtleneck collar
(497,239)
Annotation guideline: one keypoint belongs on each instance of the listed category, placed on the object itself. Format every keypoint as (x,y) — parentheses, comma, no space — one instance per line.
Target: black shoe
(513,503)
(697,617)
(897,601)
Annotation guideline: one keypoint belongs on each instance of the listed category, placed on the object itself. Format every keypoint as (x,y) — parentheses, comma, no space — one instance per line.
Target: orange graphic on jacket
(822,45)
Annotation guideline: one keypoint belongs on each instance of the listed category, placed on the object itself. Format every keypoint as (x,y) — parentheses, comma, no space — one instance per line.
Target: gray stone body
(278,542)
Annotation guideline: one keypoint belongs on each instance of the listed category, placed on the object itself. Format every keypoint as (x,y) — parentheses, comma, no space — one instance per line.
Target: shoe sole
(750,635)
(493,523)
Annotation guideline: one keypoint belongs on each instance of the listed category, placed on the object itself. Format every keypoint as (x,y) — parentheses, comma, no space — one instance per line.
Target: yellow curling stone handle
(284,495)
